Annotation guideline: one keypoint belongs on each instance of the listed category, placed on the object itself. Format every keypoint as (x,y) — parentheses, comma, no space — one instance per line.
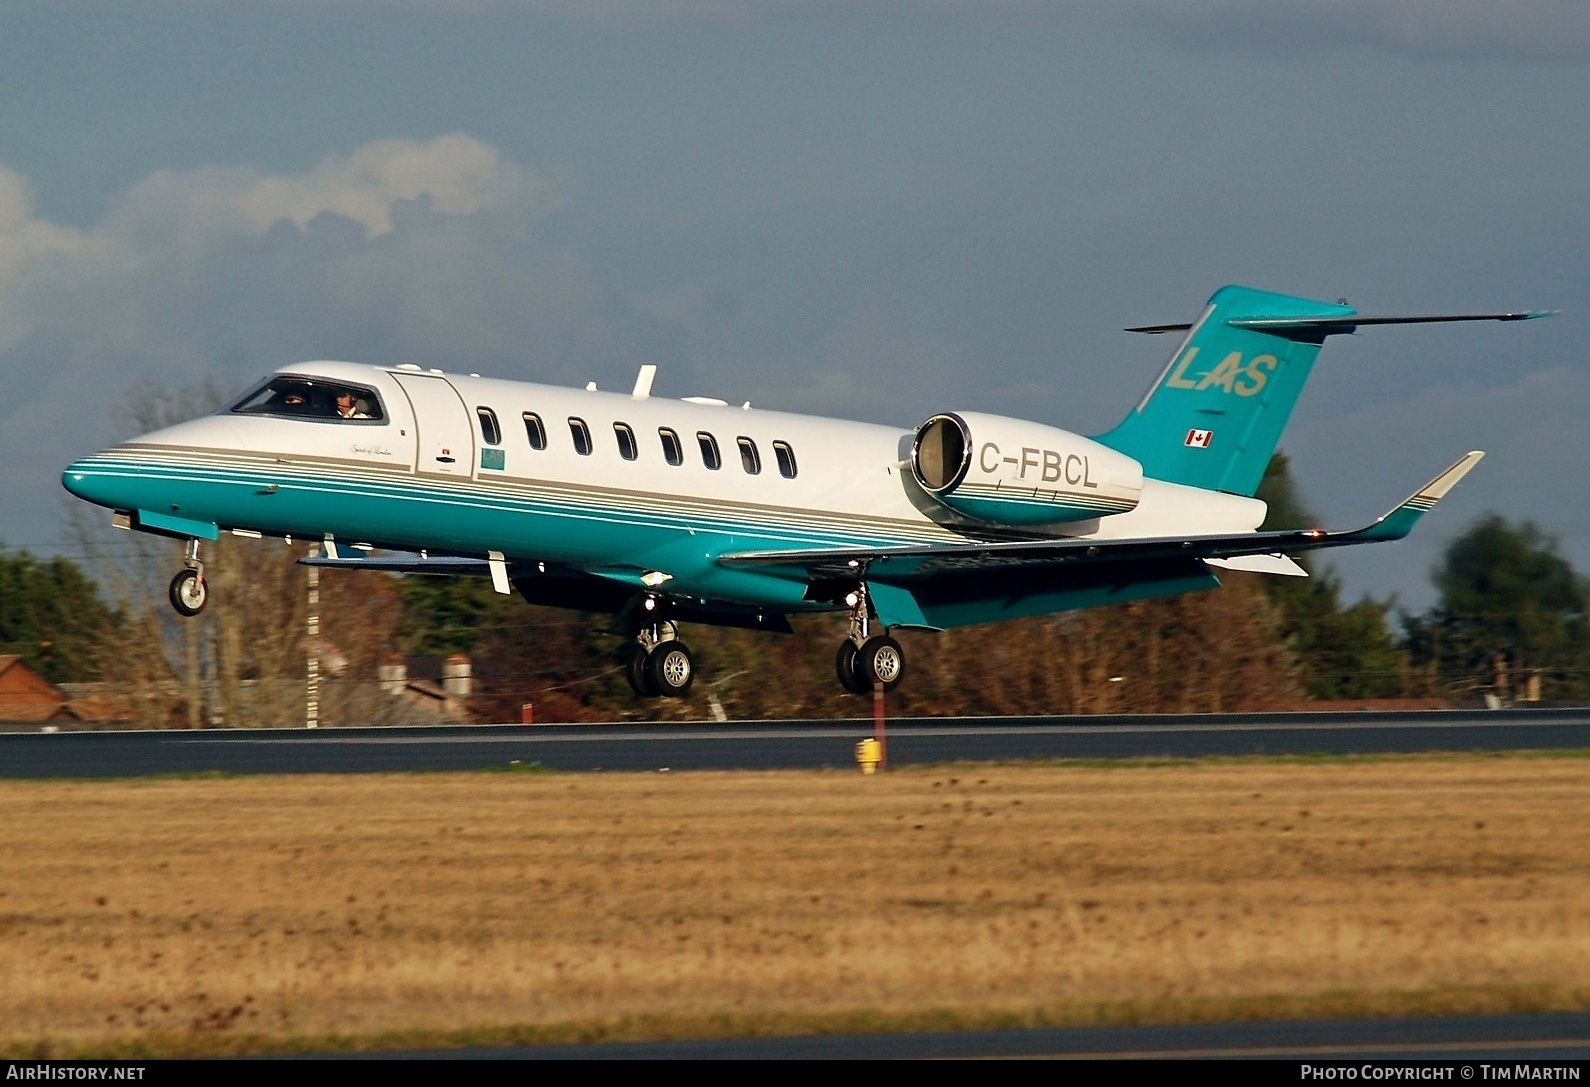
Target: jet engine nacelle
(1011,472)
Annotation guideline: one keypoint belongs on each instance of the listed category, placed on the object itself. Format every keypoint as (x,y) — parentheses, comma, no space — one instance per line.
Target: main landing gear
(189,591)
(659,664)
(865,659)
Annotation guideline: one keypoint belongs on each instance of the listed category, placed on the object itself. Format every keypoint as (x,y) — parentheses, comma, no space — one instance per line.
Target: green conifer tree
(52,614)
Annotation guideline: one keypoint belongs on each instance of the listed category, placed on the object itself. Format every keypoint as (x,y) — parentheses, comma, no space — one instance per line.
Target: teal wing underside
(556,586)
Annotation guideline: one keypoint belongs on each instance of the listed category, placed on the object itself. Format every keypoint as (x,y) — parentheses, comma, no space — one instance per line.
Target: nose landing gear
(189,591)
(864,658)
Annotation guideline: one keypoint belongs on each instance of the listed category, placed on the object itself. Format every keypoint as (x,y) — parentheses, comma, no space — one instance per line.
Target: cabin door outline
(444,436)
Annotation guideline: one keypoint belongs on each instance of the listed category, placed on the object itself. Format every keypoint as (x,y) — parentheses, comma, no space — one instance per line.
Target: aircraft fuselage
(425,476)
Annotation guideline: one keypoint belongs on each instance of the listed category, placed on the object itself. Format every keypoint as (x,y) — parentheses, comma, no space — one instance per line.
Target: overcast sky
(874,210)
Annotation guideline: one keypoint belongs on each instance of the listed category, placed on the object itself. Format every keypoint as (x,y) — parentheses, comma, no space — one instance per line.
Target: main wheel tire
(670,669)
(880,659)
(188,592)
(845,665)
(635,672)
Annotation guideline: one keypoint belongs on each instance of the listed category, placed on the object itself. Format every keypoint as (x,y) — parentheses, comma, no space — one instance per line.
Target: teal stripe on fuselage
(676,510)
(405,513)
(776,526)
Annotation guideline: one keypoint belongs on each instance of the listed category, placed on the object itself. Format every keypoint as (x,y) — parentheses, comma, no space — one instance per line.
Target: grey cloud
(438,253)
(399,251)
(456,173)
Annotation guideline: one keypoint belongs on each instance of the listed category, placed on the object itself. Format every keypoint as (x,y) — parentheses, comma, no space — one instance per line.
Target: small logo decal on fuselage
(1200,439)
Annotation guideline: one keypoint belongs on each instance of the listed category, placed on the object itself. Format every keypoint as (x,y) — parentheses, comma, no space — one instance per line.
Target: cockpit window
(312,398)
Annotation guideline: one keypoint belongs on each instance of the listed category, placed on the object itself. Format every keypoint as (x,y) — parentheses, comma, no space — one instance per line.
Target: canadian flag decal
(1199,439)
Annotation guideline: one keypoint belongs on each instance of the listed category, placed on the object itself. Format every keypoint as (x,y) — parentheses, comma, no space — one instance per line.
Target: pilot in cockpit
(349,408)
(293,399)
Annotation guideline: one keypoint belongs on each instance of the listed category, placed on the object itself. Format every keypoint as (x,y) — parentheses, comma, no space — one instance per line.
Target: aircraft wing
(932,560)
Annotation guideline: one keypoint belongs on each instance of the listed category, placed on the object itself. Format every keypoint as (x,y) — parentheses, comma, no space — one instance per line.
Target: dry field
(230,914)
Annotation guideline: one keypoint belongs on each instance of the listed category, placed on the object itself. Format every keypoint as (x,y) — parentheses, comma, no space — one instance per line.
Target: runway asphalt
(765,745)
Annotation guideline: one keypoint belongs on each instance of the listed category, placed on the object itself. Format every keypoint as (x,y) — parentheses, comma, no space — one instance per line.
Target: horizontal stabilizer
(1337,325)
(921,561)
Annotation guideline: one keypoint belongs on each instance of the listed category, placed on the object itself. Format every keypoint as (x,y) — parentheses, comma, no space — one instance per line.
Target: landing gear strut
(865,658)
(659,664)
(189,591)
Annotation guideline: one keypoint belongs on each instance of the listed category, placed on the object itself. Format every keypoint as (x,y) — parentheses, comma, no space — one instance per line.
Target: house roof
(34,699)
(29,675)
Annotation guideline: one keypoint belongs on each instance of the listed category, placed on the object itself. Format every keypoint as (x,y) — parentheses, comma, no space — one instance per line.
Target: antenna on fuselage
(643,380)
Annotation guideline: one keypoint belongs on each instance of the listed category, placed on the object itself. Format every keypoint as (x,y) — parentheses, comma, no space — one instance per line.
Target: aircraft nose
(88,480)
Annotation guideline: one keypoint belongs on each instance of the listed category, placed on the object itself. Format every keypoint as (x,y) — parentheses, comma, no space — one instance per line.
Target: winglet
(1400,521)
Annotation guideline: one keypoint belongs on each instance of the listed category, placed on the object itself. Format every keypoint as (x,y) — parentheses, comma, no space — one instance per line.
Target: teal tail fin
(1217,411)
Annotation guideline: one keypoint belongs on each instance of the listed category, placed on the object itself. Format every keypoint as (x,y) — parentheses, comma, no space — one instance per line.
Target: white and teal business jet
(665,511)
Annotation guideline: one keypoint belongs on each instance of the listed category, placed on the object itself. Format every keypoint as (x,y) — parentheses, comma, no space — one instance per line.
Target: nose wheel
(189,591)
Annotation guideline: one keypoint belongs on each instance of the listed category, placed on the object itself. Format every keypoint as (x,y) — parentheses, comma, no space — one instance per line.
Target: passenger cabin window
(627,447)
(489,429)
(534,430)
(750,460)
(312,398)
(582,436)
(709,450)
(786,459)
(673,449)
